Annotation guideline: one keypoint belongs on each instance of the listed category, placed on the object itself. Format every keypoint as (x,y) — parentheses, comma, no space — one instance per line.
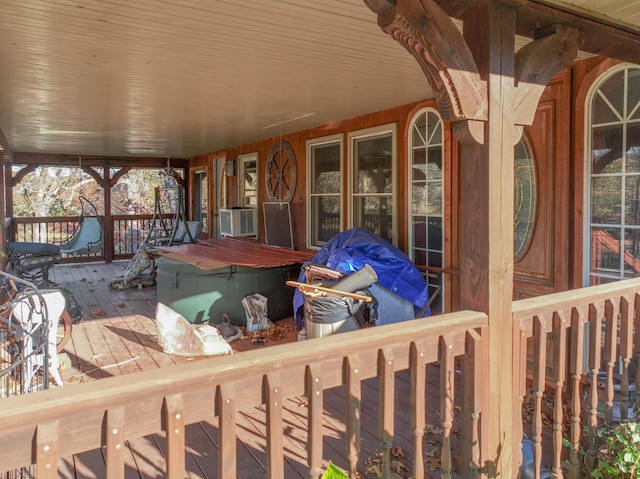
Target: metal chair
(87,239)
(32,261)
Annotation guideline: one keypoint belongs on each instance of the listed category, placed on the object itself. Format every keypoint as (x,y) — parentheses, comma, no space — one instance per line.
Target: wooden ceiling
(157,78)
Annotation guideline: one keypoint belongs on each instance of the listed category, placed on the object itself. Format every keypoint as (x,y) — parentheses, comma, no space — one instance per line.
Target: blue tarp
(350,250)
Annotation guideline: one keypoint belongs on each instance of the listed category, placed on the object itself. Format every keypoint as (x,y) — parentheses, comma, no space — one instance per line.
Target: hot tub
(205,295)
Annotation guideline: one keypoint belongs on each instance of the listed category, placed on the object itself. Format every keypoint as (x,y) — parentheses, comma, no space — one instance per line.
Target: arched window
(426,203)
(612,218)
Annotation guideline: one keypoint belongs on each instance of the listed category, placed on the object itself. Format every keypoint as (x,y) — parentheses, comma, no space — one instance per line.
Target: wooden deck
(118,336)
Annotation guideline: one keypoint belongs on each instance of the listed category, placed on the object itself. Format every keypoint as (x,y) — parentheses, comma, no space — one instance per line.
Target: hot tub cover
(350,250)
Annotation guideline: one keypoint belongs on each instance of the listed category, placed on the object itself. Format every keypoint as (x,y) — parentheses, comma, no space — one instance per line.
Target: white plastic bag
(179,337)
(255,308)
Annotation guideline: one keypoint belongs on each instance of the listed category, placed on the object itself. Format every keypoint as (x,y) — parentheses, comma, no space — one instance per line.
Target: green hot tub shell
(205,295)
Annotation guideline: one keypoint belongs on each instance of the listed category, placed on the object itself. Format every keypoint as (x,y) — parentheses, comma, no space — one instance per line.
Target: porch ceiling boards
(177,79)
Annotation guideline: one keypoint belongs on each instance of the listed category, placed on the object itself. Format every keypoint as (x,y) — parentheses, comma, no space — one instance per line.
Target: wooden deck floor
(117,336)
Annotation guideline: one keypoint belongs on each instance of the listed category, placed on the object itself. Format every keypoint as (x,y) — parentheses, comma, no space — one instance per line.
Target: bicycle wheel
(63,332)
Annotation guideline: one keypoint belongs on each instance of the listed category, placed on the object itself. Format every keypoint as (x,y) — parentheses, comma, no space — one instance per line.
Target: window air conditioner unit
(238,222)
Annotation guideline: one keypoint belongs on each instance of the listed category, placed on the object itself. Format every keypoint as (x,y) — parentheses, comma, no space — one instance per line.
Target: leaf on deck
(433,463)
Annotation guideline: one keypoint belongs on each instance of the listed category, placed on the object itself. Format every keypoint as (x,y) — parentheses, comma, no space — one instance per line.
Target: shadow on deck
(117,337)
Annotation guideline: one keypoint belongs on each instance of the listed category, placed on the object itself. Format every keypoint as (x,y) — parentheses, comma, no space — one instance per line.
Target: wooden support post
(174,425)
(487,92)
(353,390)
(273,400)
(418,368)
(47,450)
(8,202)
(5,213)
(386,404)
(487,224)
(227,420)
(114,441)
(108,247)
(315,408)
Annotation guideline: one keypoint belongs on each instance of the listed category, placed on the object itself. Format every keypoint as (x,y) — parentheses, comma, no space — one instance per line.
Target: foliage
(54,191)
(50,191)
(334,472)
(617,452)
(619,455)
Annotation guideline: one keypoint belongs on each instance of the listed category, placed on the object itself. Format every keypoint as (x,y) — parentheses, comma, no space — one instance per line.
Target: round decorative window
(524,199)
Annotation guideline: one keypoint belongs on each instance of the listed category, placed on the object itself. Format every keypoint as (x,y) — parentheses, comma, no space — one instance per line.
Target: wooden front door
(544,266)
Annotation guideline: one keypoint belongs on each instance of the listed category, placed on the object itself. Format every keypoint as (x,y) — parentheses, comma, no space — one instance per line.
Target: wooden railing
(129,232)
(44,230)
(565,343)
(123,234)
(54,424)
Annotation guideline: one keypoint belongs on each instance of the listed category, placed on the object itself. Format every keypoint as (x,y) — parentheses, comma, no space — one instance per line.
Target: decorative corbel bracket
(119,174)
(21,173)
(553,49)
(95,175)
(428,33)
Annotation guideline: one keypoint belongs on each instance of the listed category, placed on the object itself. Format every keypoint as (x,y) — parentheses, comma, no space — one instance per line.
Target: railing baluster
(353,391)
(636,342)
(472,377)
(595,342)
(315,407)
(520,351)
(227,419)
(610,343)
(447,382)
(174,427)
(273,400)
(418,369)
(387,374)
(540,331)
(576,370)
(47,450)
(626,353)
(114,442)
(595,356)
(559,333)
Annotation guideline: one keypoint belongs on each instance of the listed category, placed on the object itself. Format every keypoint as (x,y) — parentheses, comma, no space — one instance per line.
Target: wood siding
(553,260)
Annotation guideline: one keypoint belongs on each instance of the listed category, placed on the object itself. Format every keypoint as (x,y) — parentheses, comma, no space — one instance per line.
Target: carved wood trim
(536,64)
(426,31)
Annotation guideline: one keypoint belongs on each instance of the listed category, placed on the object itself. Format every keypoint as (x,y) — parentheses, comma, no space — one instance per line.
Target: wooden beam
(603,35)
(7,153)
(42,159)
